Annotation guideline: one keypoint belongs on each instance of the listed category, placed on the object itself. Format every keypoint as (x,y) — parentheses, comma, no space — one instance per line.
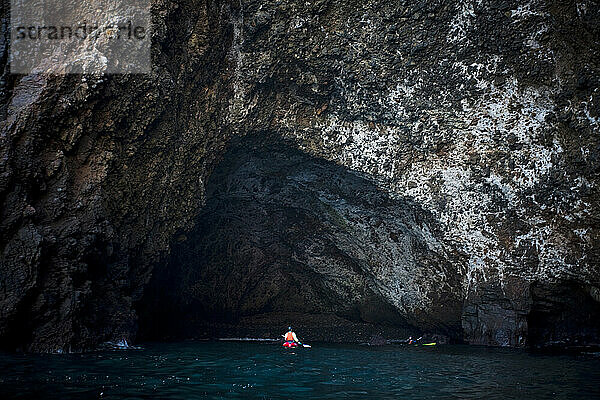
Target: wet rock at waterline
(446,177)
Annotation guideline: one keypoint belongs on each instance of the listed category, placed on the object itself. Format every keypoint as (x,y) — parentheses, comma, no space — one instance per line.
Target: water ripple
(265,370)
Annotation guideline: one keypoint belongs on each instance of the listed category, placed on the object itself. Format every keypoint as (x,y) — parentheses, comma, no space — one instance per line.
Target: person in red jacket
(290,336)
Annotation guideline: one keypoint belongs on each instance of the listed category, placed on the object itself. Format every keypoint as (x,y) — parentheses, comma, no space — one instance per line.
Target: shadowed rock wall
(97,173)
(283,233)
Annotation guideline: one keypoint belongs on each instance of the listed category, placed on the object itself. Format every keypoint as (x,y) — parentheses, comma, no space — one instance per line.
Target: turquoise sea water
(193,370)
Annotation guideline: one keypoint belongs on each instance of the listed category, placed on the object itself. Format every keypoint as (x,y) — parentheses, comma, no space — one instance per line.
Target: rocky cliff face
(98,172)
(425,166)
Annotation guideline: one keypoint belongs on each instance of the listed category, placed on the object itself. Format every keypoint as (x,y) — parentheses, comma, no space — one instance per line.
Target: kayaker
(290,336)
(414,341)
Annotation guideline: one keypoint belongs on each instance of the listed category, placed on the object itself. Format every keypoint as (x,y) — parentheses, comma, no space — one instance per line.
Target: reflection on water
(266,370)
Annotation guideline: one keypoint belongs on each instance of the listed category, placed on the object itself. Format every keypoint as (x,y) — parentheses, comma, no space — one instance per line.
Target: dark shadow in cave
(563,314)
(286,238)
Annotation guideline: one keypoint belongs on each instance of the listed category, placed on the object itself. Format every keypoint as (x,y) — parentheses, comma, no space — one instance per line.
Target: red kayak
(290,344)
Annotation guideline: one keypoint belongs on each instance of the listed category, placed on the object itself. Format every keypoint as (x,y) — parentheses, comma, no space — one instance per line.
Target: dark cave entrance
(285,238)
(563,314)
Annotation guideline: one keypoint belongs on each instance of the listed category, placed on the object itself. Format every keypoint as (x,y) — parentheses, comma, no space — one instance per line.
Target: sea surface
(229,369)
